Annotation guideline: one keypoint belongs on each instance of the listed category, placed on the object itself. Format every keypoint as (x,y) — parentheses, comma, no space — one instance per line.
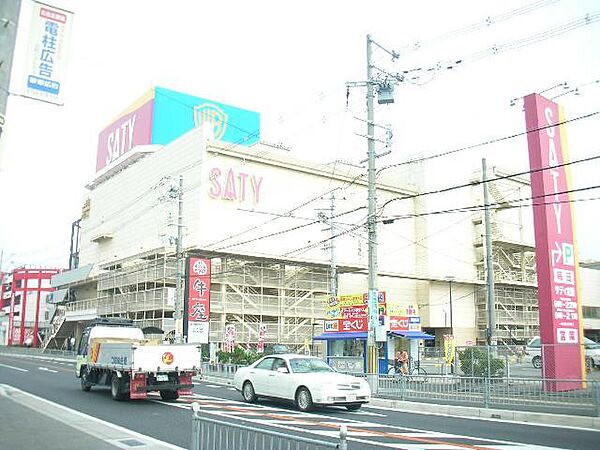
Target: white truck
(112,352)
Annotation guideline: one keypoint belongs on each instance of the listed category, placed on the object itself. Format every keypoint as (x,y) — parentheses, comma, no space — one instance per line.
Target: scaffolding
(515,277)
(287,298)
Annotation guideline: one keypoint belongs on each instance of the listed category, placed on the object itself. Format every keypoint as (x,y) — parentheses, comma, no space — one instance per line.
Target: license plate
(162,377)
(352,397)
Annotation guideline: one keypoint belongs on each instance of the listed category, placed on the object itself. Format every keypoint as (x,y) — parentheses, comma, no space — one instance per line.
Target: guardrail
(211,434)
(221,370)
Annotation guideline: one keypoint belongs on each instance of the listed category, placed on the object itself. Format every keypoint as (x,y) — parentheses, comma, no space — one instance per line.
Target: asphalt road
(369,428)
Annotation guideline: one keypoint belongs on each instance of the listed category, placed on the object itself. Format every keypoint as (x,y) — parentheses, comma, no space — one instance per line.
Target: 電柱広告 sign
(47,51)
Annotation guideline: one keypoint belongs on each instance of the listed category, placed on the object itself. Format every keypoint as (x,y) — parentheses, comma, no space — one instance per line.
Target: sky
(290,62)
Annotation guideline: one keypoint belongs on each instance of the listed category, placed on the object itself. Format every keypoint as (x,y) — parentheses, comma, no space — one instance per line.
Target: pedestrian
(401,364)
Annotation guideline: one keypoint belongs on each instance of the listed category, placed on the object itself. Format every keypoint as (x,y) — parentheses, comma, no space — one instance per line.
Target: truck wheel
(86,386)
(169,395)
(116,390)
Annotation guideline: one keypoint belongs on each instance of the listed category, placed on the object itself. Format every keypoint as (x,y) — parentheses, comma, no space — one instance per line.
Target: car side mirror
(282,370)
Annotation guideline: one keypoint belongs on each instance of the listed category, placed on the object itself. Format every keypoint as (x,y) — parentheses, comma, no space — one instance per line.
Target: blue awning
(341,335)
(413,334)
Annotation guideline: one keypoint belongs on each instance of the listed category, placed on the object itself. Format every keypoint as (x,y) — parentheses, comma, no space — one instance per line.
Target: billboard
(161,115)
(197,300)
(47,52)
(350,313)
(556,261)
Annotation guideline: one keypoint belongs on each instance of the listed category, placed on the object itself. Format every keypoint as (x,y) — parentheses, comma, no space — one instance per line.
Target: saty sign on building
(47,52)
(161,115)
(197,300)
(556,257)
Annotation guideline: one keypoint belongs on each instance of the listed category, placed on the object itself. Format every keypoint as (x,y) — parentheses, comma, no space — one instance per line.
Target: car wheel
(537,362)
(85,384)
(353,407)
(169,395)
(248,392)
(304,399)
(116,389)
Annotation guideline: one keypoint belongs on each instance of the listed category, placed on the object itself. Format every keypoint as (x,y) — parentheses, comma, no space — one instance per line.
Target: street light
(450,279)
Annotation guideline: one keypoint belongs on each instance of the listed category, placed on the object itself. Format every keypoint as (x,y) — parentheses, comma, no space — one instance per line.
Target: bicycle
(414,372)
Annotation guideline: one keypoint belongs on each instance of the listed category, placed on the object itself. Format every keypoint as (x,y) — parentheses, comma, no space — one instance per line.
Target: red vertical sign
(198,299)
(560,324)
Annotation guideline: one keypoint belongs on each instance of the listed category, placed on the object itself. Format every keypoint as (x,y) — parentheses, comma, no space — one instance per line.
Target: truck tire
(169,395)
(116,389)
(86,386)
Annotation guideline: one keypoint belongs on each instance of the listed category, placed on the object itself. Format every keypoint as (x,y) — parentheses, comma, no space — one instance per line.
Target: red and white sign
(555,250)
(229,340)
(262,330)
(405,323)
(198,300)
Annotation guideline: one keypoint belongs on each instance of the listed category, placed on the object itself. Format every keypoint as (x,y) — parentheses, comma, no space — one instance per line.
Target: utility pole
(491,338)
(372,220)
(178,291)
(333,266)
(9,18)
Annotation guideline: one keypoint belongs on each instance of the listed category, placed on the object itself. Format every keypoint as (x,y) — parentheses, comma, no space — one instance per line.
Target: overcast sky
(290,61)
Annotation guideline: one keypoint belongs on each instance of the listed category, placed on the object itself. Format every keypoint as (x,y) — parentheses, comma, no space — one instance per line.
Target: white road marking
(47,370)
(14,368)
(78,419)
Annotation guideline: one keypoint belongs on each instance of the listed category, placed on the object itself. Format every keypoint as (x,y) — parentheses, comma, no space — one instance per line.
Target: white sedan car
(306,380)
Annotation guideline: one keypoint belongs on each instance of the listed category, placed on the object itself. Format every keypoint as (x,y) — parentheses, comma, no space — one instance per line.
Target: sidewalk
(32,422)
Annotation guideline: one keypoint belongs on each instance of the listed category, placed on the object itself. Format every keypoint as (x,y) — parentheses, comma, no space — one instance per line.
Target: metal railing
(212,434)
(220,370)
(523,394)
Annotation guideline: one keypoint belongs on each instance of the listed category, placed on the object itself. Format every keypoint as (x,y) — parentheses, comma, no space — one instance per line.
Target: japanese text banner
(47,52)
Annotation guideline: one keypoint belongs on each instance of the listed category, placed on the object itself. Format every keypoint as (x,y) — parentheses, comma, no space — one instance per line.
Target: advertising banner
(229,340)
(351,312)
(197,300)
(262,330)
(556,260)
(403,316)
(47,52)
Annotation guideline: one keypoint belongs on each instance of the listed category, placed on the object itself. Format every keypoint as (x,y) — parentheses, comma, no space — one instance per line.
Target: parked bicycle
(414,371)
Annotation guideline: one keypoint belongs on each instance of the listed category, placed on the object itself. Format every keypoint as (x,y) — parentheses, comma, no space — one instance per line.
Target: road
(369,428)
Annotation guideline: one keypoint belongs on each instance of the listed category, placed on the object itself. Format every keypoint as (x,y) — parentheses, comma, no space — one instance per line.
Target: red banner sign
(198,299)
(556,261)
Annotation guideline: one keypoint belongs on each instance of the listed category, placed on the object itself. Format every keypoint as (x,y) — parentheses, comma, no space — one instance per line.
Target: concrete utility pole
(9,18)
(372,219)
(333,266)
(491,335)
(178,291)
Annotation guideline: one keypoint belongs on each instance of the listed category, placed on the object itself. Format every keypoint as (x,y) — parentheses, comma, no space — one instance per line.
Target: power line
(474,27)
(478,182)
(535,38)
(488,142)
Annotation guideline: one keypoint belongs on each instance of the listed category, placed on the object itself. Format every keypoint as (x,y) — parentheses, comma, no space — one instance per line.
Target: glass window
(266,364)
(278,363)
(309,365)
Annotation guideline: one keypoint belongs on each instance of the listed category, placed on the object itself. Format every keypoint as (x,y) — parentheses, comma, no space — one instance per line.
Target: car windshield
(309,365)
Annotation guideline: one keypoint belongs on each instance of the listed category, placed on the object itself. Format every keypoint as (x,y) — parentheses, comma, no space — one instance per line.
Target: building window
(591,312)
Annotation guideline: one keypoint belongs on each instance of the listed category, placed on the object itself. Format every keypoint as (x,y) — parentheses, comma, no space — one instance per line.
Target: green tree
(476,362)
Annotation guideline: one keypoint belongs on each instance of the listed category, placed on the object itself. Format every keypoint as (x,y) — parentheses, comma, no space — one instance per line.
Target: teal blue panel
(176,113)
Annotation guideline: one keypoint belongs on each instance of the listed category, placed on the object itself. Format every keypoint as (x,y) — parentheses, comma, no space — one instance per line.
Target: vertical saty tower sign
(47,52)
(197,300)
(556,261)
